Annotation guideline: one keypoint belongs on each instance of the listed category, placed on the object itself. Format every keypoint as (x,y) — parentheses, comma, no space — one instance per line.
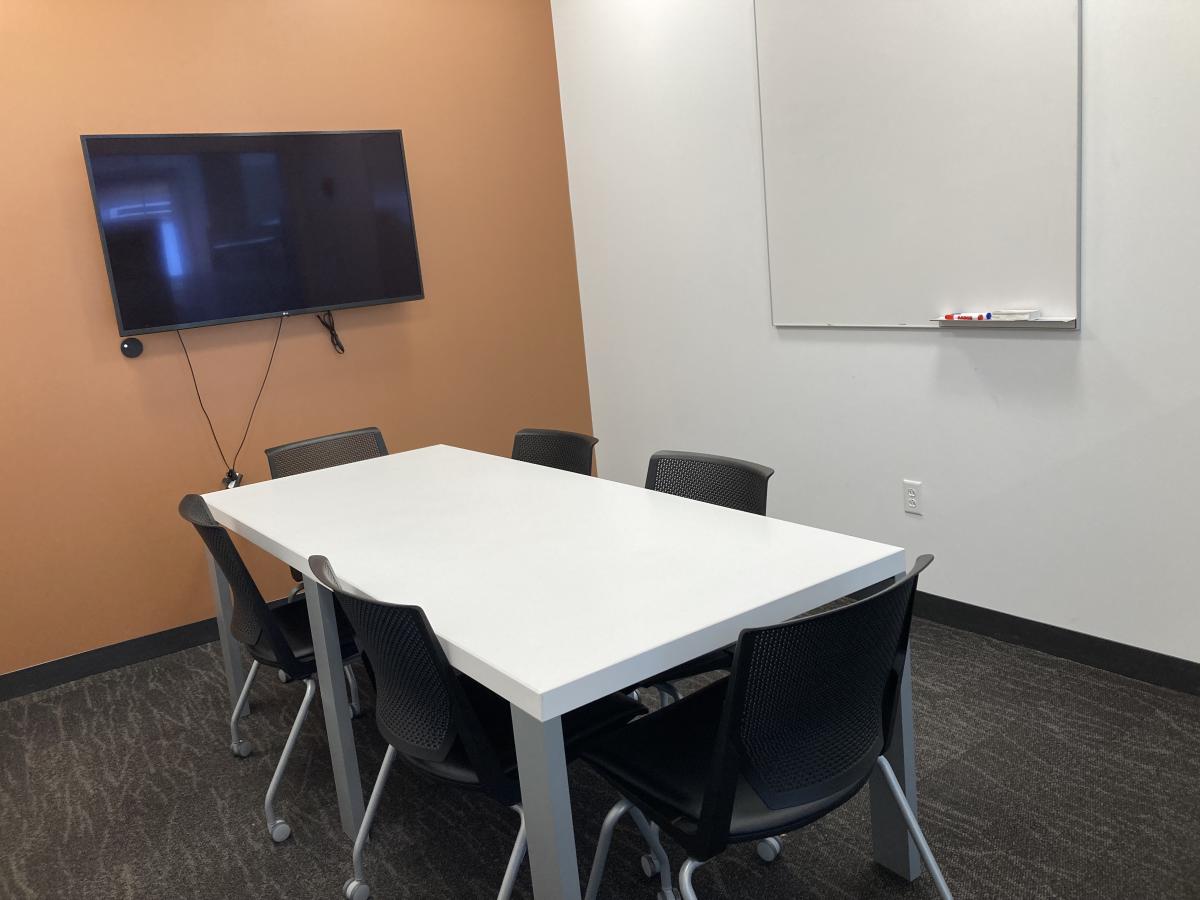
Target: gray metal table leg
(894,848)
(231,650)
(546,799)
(336,707)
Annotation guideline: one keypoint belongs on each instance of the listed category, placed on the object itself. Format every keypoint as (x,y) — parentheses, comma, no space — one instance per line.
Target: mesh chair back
(557,449)
(420,708)
(719,480)
(811,701)
(323,452)
(252,622)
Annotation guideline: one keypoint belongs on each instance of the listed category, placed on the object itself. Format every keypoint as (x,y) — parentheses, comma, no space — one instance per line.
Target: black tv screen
(200,229)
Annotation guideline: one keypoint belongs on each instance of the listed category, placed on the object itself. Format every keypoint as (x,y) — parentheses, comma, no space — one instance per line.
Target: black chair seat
(663,764)
(495,717)
(292,619)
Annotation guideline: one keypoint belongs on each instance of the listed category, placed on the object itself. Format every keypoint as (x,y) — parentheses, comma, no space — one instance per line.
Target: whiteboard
(920,157)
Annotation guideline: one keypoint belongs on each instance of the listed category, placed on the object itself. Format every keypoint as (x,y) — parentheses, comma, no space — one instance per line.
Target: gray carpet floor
(1038,778)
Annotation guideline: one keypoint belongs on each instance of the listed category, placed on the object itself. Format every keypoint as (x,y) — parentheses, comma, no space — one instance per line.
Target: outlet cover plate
(912,498)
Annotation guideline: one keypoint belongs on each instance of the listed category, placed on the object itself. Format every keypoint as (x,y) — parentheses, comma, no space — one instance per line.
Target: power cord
(326,319)
(232,477)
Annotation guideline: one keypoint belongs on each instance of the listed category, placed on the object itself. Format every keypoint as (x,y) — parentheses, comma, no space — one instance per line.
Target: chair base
(238,746)
(650,865)
(520,845)
(655,863)
(914,829)
(356,888)
(685,879)
(279,829)
(768,848)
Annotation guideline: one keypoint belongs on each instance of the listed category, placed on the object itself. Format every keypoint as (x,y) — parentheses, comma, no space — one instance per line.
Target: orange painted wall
(96,449)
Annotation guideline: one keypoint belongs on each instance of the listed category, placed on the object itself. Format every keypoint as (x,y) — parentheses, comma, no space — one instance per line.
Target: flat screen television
(202,229)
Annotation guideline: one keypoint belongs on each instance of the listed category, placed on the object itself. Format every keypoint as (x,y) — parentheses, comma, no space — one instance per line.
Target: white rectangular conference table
(551,589)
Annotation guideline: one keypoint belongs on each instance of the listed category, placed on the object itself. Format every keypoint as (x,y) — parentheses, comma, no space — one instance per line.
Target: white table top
(550,588)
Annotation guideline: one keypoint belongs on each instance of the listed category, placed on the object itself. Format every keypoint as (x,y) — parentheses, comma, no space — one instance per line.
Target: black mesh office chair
(325,451)
(721,481)
(557,449)
(322,453)
(443,723)
(278,638)
(794,732)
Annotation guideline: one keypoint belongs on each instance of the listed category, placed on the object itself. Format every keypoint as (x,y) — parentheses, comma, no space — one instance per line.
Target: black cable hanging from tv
(232,478)
(326,319)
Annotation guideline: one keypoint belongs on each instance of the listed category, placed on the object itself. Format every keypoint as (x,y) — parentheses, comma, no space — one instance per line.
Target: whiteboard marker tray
(1060,322)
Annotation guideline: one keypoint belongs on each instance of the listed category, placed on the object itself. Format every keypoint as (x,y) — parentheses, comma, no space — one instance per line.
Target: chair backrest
(811,703)
(420,706)
(325,451)
(719,480)
(252,622)
(565,450)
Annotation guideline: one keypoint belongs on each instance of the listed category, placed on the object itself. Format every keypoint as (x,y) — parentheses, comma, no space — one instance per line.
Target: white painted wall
(1061,471)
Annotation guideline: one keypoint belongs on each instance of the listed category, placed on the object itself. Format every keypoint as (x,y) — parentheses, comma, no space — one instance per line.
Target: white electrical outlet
(912,497)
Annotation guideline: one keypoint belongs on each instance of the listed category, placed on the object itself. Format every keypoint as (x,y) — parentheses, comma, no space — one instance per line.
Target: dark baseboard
(1132,662)
(69,668)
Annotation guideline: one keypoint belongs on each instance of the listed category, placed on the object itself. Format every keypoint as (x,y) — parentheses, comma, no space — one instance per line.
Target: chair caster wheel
(650,866)
(354,889)
(280,831)
(241,748)
(769,849)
